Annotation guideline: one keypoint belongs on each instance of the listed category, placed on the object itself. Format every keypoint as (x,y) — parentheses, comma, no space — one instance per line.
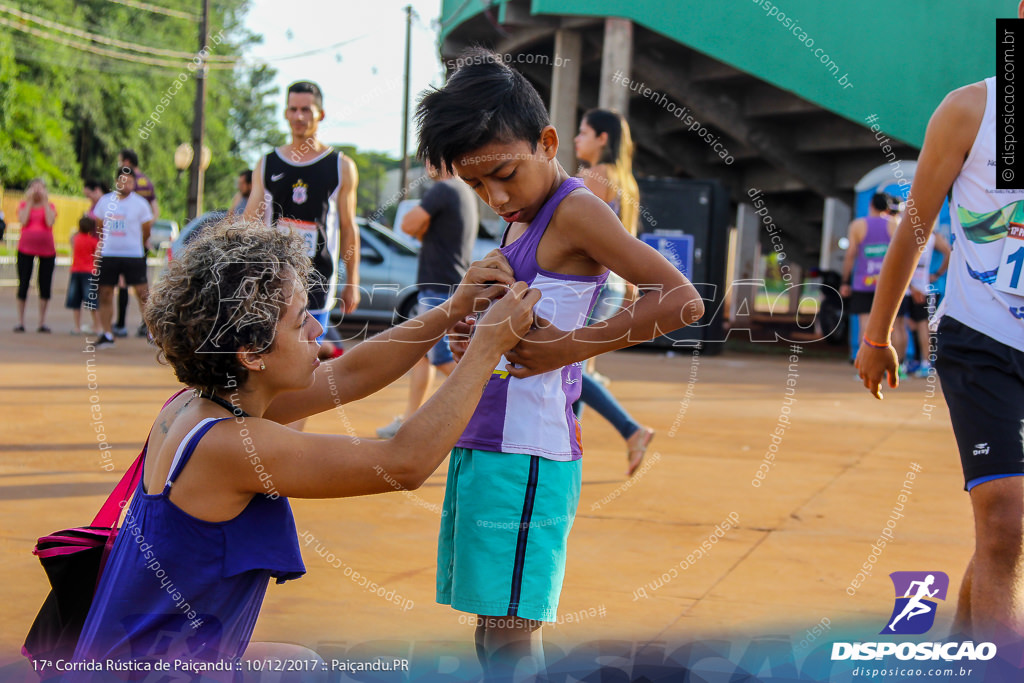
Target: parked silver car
(387,275)
(387,268)
(162,234)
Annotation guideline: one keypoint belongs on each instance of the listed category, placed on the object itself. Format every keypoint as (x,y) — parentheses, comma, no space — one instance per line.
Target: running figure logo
(916,595)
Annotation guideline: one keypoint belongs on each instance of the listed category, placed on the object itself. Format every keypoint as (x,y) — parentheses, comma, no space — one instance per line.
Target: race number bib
(308,231)
(1010,276)
(115,226)
(874,256)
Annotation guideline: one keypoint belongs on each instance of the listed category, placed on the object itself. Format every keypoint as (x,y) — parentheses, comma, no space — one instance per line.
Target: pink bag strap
(110,513)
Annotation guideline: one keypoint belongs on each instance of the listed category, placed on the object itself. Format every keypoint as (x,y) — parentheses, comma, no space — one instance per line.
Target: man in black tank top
(310,189)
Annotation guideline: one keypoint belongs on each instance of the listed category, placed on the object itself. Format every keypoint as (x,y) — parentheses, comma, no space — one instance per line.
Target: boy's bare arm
(591,230)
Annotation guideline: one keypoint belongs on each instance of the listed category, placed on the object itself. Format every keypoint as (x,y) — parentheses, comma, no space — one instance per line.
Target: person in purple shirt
(869,240)
(210,523)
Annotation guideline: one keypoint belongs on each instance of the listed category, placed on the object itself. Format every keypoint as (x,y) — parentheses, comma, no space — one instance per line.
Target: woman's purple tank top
(177,587)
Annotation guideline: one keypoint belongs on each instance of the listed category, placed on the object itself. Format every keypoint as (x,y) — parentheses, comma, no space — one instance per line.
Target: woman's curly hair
(225,292)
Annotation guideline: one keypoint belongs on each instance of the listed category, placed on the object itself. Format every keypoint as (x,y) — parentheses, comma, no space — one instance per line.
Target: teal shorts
(506,521)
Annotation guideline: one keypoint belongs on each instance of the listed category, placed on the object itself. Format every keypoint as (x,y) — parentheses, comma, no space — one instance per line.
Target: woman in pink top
(37,216)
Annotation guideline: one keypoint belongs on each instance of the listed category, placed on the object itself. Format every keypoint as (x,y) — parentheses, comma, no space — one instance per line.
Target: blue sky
(361,80)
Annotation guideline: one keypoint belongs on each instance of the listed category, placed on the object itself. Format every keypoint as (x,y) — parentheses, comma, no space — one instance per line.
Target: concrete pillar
(616,57)
(565,89)
(835,224)
(746,258)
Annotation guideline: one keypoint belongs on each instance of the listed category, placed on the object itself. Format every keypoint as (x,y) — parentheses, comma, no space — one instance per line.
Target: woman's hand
(508,320)
(486,279)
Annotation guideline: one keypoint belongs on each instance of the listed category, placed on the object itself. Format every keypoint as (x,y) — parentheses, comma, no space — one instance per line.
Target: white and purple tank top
(533,416)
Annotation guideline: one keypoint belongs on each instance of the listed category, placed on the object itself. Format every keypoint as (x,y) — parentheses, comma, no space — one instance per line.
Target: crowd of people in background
(116,226)
(869,240)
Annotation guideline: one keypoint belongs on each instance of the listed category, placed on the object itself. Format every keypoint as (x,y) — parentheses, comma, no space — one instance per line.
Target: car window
(196,227)
(368,252)
(391,241)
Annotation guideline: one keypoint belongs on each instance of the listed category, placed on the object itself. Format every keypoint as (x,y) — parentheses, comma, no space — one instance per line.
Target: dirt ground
(780,555)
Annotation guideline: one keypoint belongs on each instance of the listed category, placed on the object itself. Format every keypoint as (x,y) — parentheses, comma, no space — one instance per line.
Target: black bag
(73,560)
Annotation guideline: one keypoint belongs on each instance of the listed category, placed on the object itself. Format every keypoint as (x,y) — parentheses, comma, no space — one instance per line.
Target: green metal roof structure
(901,58)
(787,86)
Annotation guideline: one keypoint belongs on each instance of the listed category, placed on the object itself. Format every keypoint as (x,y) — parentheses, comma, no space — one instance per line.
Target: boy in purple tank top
(514,476)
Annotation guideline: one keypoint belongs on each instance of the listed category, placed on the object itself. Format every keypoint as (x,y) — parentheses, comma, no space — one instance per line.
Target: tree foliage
(66,111)
(372,167)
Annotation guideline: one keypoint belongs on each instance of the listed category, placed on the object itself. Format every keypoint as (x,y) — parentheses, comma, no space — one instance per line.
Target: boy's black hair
(130,156)
(93,184)
(484,101)
(880,201)
(306,86)
(247,174)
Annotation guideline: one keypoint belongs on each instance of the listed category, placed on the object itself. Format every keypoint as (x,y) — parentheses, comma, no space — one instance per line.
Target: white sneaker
(390,430)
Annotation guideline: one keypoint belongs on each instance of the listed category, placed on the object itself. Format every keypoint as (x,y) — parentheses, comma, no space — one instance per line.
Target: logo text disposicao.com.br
(947,652)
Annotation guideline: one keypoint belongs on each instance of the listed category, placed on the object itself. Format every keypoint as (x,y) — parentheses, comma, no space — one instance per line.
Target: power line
(157,10)
(25,51)
(314,51)
(104,40)
(84,47)
(25,54)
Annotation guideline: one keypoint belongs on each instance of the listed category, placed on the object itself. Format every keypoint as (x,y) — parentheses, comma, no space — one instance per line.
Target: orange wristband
(875,345)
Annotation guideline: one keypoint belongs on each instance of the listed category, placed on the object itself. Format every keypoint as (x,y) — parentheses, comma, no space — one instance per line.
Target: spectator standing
(241,199)
(94,190)
(869,240)
(36,215)
(446,221)
(143,188)
(604,146)
(82,286)
(125,220)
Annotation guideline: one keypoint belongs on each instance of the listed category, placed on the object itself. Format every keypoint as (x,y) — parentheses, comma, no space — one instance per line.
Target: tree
(31,144)
(372,167)
(66,111)
(255,113)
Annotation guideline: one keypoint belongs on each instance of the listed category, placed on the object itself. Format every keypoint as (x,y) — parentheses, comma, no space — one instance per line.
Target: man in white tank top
(980,343)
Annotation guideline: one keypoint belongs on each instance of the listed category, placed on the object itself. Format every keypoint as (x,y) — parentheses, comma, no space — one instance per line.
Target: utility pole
(405,102)
(196,172)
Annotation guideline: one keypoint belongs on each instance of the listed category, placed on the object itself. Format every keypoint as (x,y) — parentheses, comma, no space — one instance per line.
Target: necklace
(231,408)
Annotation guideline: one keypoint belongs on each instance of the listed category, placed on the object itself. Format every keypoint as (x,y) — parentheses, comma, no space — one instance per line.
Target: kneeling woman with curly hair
(210,523)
